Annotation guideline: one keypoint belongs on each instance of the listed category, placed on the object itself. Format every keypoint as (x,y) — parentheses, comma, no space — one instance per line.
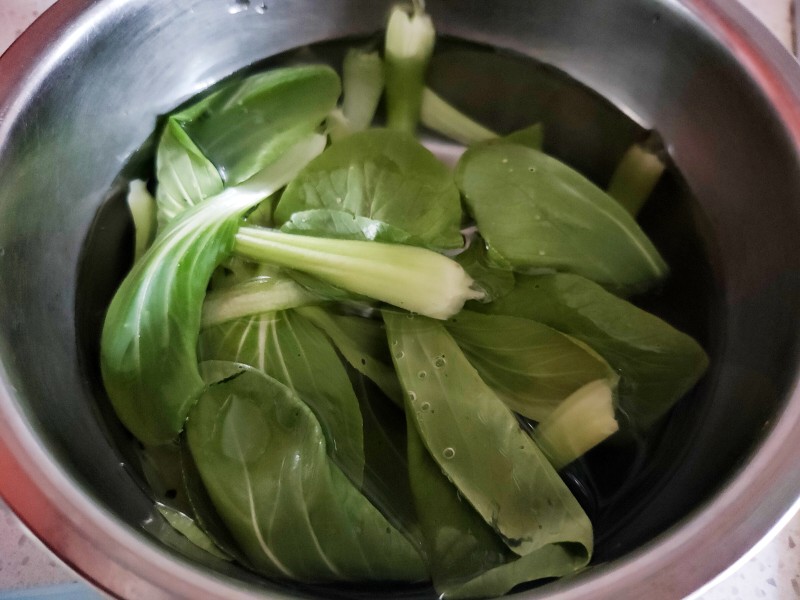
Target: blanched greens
(292,349)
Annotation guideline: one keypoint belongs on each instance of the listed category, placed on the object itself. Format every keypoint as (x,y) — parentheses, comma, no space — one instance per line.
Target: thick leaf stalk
(415,279)
(409,46)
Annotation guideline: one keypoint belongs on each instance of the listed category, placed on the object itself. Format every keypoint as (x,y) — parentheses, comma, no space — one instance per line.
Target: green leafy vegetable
(412,278)
(148,356)
(494,280)
(478,443)
(261,453)
(342,225)
(467,559)
(657,363)
(382,175)
(410,37)
(288,348)
(363,344)
(185,176)
(530,366)
(247,125)
(537,213)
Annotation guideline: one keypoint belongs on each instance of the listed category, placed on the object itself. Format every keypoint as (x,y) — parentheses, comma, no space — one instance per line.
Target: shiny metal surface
(82,90)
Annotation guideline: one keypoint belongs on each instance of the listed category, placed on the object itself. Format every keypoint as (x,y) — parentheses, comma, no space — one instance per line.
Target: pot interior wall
(730,241)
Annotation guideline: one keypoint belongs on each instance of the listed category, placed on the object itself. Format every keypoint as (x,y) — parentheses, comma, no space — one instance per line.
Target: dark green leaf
(262,456)
(148,345)
(657,363)
(496,281)
(530,366)
(466,557)
(363,344)
(293,351)
(537,213)
(247,124)
(386,176)
(185,176)
(339,224)
(478,443)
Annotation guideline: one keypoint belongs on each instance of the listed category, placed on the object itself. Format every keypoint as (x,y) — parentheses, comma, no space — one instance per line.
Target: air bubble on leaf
(448,453)
(399,354)
(413,396)
(422,374)
(439,362)
(425,406)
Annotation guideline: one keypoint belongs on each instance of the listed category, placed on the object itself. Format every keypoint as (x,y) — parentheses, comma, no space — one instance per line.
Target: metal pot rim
(714,540)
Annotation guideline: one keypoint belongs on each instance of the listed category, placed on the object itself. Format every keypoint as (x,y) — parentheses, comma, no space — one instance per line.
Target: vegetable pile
(362,365)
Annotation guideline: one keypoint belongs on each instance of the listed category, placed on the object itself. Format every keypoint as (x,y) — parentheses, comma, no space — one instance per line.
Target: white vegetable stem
(447,120)
(265,294)
(578,424)
(416,279)
(409,45)
(143,210)
(363,79)
(635,178)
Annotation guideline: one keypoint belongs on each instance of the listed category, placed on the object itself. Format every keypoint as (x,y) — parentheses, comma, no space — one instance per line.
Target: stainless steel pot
(80,92)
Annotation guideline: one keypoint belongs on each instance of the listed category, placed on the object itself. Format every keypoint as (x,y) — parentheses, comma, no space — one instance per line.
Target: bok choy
(350,363)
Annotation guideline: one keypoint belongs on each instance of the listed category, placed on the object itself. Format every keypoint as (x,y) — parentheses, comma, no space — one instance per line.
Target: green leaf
(363,344)
(262,456)
(293,351)
(185,176)
(494,280)
(478,443)
(386,477)
(342,225)
(466,557)
(148,344)
(247,124)
(539,214)
(657,363)
(385,176)
(202,508)
(530,366)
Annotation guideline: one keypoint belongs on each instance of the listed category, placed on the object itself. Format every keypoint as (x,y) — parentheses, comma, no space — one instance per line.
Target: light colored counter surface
(772,574)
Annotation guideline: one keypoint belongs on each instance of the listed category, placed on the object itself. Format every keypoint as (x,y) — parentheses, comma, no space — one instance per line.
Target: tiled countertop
(29,570)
